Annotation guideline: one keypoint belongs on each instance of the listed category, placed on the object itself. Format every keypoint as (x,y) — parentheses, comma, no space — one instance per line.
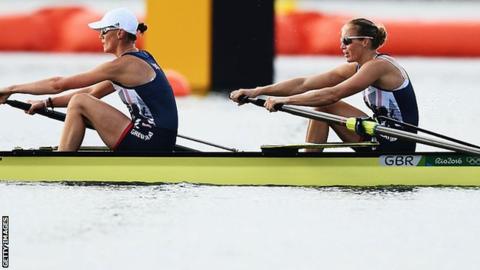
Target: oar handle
(259,102)
(255,101)
(18,104)
(45,112)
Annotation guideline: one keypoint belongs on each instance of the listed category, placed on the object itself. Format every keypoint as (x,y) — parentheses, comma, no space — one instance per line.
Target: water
(204,227)
(57,226)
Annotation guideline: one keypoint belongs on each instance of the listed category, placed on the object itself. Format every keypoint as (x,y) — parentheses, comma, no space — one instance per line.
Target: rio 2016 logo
(473,160)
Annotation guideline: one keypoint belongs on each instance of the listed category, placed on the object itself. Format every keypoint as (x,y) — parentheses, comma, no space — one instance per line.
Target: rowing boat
(284,168)
(275,165)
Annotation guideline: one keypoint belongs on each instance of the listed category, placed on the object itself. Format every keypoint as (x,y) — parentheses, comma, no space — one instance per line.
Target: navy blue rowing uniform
(399,104)
(153,111)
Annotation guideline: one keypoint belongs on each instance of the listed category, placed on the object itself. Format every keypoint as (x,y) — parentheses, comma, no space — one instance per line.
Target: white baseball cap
(120,18)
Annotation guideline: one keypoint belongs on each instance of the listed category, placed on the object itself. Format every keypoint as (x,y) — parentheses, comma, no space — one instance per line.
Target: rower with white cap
(134,74)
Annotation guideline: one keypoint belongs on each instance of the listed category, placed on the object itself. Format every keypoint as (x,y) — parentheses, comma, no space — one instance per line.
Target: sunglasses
(348,40)
(107,29)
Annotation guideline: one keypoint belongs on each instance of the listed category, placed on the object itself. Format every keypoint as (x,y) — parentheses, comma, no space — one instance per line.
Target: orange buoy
(76,36)
(179,83)
(292,31)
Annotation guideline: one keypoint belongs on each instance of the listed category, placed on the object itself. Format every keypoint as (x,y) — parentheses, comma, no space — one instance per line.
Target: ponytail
(140,28)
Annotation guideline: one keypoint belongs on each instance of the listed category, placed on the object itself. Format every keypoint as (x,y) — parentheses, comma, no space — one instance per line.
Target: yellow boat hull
(247,169)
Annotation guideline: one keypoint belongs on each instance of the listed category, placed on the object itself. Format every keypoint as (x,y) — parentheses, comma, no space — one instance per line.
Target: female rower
(137,78)
(386,87)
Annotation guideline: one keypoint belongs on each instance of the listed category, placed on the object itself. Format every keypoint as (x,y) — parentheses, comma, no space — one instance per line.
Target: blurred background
(211,47)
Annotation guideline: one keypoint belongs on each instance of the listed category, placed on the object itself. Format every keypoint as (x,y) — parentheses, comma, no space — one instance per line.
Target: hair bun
(142,27)
(381,34)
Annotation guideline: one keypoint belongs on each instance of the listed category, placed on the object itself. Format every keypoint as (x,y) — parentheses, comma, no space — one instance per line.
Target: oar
(371,128)
(61,117)
(45,112)
(207,143)
(413,127)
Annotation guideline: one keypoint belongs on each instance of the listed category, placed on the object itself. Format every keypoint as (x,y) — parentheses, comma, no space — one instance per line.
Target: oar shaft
(207,143)
(61,117)
(320,116)
(378,129)
(413,127)
(425,140)
(382,130)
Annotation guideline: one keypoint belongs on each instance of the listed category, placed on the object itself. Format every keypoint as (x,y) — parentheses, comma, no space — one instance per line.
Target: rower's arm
(56,85)
(98,90)
(360,80)
(303,84)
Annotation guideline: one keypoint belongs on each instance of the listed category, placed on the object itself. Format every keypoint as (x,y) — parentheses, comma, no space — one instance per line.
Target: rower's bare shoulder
(345,70)
(376,66)
(119,65)
(109,66)
(379,63)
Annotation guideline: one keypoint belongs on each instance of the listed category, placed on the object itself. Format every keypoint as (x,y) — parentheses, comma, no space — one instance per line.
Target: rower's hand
(272,102)
(235,95)
(4,95)
(36,106)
